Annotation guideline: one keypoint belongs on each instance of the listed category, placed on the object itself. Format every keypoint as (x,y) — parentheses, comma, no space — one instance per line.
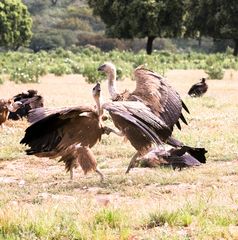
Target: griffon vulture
(6,107)
(30,100)
(68,132)
(151,89)
(153,92)
(198,89)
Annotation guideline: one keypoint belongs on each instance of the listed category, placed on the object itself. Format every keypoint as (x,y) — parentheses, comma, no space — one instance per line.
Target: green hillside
(61,24)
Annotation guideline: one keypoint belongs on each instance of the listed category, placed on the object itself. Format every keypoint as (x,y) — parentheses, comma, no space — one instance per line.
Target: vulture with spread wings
(154,93)
(30,100)
(68,132)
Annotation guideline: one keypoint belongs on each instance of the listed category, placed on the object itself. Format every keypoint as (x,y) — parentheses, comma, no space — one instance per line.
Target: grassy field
(38,201)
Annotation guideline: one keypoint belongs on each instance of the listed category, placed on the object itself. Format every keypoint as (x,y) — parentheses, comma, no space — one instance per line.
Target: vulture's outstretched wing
(162,99)
(135,119)
(55,131)
(40,113)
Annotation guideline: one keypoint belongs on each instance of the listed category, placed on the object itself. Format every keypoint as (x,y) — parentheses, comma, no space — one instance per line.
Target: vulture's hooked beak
(16,105)
(97,89)
(101,68)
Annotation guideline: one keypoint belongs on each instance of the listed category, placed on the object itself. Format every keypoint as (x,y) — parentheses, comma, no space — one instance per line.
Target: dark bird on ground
(153,92)
(198,89)
(6,107)
(68,132)
(30,100)
(176,157)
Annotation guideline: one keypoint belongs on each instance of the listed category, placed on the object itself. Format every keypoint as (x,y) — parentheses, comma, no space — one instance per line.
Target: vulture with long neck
(30,100)
(68,132)
(154,93)
(198,89)
(7,106)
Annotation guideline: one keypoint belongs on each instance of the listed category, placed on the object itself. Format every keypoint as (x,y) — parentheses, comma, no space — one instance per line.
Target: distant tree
(213,18)
(53,2)
(15,24)
(140,18)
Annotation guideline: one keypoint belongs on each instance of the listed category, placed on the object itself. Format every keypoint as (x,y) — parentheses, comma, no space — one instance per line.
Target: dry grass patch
(38,201)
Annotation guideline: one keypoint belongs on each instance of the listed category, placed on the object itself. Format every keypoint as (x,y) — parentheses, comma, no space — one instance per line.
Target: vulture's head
(13,106)
(97,91)
(108,68)
(203,80)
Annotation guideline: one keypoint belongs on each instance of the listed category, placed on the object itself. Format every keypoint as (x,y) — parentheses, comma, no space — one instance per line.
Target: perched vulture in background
(198,89)
(68,132)
(30,100)
(176,157)
(6,107)
(152,94)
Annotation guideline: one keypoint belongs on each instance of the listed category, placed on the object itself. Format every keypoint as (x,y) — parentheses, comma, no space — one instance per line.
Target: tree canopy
(15,24)
(139,18)
(213,18)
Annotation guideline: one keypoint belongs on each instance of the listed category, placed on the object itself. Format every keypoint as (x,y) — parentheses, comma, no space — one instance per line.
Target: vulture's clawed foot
(100,174)
(133,162)
(107,130)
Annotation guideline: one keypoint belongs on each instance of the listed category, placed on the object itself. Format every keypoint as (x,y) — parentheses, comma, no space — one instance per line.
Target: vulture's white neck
(99,106)
(112,84)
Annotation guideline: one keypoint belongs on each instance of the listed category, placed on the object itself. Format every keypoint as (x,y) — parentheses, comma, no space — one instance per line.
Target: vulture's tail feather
(185,107)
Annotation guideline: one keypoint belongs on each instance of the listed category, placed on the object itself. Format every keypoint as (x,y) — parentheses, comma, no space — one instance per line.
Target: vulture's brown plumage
(179,157)
(153,90)
(154,93)
(7,106)
(30,100)
(69,133)
(198,89)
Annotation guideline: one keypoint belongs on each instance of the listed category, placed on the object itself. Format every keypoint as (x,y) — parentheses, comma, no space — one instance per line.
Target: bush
(215,72)
(61,69)
(29,73)
(91,74)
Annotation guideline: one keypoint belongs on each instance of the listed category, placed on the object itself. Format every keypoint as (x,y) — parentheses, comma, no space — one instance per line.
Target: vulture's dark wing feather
(61,129)
(69,112)
(198,89)
(161,98)
(141,116)
(29,100)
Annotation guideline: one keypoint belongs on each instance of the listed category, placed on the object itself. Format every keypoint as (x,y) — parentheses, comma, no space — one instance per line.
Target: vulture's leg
(108,130)
(71,172)
(132,162)
(101,175)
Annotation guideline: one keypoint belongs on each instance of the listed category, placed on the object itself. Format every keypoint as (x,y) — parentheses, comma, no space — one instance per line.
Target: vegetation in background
(217,19)
(141,18)
(27,67)
(66,22)
(15,24)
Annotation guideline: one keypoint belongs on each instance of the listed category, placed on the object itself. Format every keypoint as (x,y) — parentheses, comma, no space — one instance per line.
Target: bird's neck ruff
(112,84)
